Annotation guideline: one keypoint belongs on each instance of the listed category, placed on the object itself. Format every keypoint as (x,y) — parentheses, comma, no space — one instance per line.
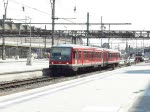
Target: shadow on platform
(138,72)
(142,103)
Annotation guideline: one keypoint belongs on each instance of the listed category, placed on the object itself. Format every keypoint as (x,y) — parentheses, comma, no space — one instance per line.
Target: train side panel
(73,58)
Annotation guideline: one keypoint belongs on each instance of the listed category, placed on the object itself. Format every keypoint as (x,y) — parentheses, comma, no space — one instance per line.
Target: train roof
(82,46)
(68,45)
(74,46)
(112,50)
(77,46)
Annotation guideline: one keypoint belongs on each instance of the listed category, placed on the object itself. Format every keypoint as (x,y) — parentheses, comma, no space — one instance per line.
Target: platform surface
(20,65)
(123,90)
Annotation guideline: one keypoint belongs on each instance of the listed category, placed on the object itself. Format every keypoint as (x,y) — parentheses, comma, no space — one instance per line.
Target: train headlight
(52,62)
(67,63)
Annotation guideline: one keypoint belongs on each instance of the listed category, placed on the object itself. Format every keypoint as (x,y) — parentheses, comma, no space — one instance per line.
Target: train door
(105,57)
(102,56)
(79,57)
(94,57)
(108,57)
(76,57)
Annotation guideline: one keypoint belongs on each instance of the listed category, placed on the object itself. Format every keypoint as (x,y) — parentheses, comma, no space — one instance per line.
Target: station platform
(122,90)
(12,69)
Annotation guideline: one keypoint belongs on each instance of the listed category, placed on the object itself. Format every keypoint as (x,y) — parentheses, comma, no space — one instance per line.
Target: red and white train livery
(71,58)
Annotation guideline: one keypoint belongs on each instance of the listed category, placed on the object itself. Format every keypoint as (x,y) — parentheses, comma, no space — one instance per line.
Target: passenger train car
(70,58)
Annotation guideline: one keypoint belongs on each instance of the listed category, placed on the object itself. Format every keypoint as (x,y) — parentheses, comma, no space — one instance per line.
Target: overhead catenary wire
(30,7)
(40,10)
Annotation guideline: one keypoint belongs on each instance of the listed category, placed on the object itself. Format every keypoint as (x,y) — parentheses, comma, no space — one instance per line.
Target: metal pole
(143,41)
(45,41)
(75,39)
(3,45)
(87,28)
(17,52)
(30,37)
(101,31)
(4,18)
(53,21)
(20,32)
(126,47)
(29,61)
(109,37)
(72,38)
(143,45)
(26,25)
(136,45)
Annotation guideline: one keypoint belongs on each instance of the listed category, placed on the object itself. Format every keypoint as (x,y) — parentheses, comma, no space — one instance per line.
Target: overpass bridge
(19,34)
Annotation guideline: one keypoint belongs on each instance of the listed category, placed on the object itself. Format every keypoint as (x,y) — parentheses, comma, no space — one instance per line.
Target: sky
(135,12)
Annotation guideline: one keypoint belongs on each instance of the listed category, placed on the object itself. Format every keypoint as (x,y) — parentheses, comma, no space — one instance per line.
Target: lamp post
(53,21)
(17,52)
(109,37)
(4,18)
(3,44)
(102,29)
(65,34)
(29,61)
(87,29)
(143,40)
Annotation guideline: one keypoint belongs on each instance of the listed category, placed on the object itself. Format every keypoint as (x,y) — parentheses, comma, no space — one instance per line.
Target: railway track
(19,83)
(22,85)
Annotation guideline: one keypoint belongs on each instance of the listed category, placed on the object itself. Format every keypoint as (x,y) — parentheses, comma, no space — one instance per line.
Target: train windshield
(62,54)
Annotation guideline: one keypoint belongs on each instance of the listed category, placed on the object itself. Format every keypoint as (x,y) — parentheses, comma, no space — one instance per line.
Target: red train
(69,58)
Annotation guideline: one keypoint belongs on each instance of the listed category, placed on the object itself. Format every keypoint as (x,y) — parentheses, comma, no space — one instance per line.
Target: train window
(85,54)
(109,55)
(97,55)
(75,54)
(92,55)
(79,55)
(88,55)
(102,54)
(106,54)
(61,53)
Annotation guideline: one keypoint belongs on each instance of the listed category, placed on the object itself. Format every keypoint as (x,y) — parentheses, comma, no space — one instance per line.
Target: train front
(60,59)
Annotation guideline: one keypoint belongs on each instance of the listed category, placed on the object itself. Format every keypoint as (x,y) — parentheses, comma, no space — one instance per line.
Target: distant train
(69,58)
